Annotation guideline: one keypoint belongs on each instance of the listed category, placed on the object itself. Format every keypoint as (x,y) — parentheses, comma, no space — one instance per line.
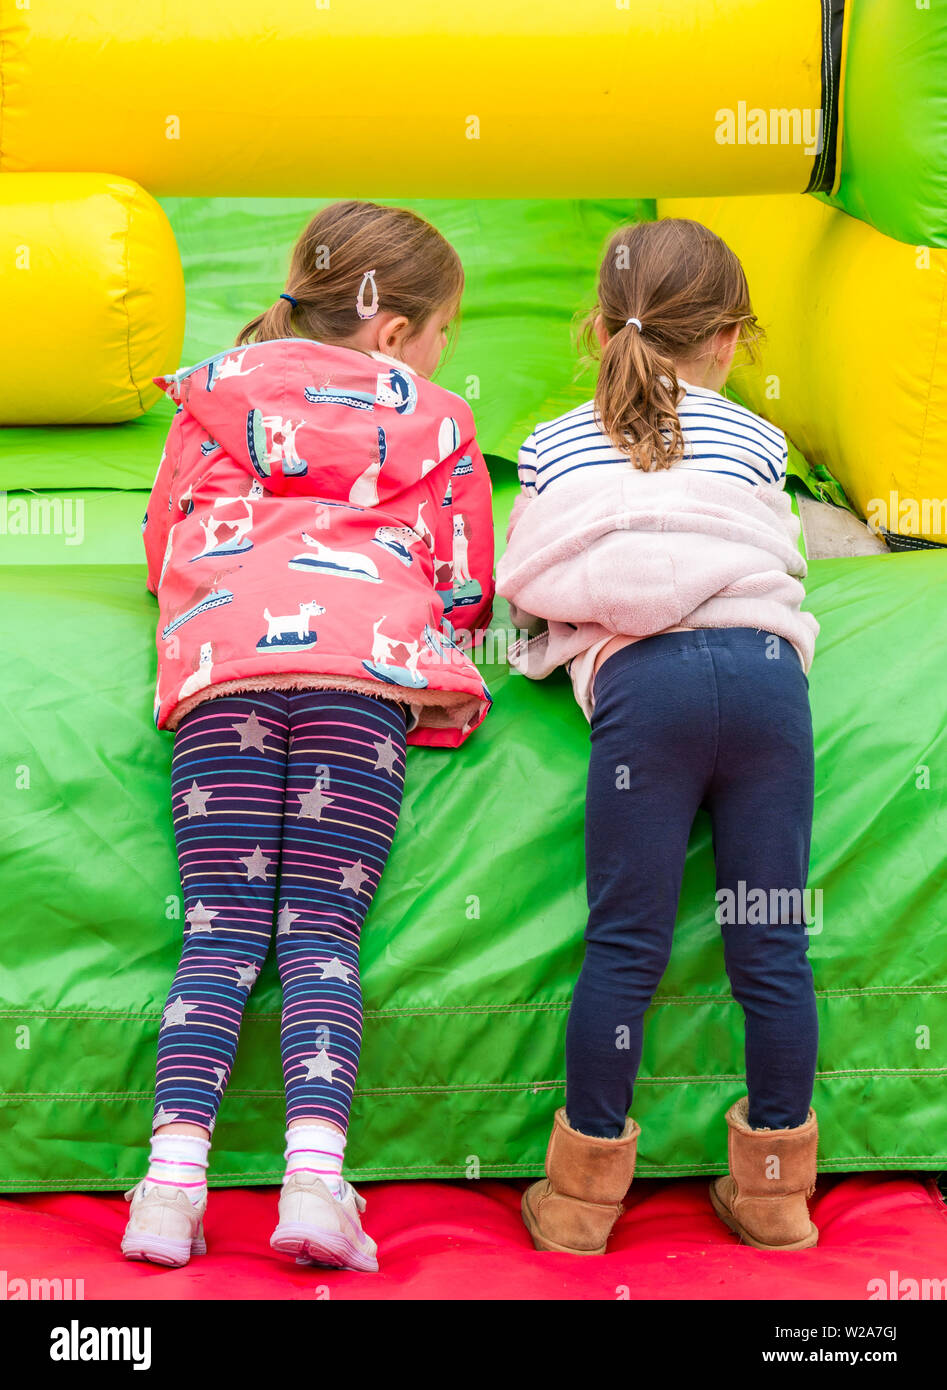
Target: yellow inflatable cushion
(422,98)
(854,368)
(93,299)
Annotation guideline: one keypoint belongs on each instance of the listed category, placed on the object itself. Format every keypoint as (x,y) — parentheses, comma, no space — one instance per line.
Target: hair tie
(292,301)
(367,313)
(636,322)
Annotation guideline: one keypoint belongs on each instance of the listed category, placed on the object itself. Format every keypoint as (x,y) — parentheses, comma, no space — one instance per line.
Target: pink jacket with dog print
(321,518)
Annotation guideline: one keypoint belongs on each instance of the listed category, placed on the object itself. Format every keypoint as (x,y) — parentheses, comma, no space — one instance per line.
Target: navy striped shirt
(720,437)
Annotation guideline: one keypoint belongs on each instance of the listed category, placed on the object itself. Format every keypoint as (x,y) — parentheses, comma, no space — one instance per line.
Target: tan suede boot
(574,1208)
(772,1172)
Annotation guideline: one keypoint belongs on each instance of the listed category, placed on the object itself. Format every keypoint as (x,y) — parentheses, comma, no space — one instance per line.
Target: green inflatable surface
(473,943)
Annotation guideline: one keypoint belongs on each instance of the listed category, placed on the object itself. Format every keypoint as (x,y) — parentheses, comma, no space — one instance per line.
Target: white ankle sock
(316,1148)
(180,1160)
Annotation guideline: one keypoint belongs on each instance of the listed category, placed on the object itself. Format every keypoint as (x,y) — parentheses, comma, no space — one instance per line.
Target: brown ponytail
(683,284)
(274,322)
(416,271)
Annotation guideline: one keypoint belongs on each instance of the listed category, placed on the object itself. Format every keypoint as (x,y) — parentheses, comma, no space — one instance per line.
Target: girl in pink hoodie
(655,552)
(319,538)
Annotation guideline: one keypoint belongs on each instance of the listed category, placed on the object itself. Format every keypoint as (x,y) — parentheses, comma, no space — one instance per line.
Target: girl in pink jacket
(320,541)
(654,551)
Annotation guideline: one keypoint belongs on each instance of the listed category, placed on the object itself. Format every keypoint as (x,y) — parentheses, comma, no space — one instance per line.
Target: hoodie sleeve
(465,533)
(156,527)
(526,622)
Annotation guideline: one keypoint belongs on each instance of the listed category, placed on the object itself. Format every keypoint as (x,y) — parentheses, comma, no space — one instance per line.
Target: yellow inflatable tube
(416,98)
(854,368)
(93,299)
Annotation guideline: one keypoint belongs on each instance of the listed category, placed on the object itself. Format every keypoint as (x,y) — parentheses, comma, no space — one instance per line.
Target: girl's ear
(391,332)
(601,332)
(725,344)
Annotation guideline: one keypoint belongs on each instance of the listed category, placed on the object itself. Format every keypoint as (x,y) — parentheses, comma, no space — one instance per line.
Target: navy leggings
(716,718)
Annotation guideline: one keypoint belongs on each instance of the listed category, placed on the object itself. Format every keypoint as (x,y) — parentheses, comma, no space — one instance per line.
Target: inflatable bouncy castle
(149,194)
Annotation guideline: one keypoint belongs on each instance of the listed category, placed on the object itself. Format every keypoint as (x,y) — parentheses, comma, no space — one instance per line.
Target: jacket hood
(313,419)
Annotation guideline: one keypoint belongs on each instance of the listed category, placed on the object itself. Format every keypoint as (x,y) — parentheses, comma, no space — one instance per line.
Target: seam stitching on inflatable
(475,1087)
(364,1174)
(435,1011)
(125,298)
(927,403)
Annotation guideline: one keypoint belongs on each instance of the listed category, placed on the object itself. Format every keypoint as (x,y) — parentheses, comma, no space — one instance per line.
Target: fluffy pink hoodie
(643,552)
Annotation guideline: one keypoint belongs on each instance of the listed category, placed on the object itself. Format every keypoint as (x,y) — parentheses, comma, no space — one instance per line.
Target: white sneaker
(321,1229)
(164,1225)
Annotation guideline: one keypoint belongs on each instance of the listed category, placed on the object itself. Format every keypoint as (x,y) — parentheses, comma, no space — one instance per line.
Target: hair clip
(636,322)
(292,301)
(372,309)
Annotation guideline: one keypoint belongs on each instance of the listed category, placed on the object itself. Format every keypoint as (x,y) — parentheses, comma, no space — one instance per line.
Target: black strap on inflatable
(833,21)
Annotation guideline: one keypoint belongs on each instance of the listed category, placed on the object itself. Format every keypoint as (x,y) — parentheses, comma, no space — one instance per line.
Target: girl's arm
(158,521)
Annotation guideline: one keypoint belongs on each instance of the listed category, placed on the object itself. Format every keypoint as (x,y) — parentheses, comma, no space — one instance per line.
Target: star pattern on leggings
(320,1067)
(353,877)
(334,970)
(386,756)
(177,1012)
(196,801)
(256,864)
(199,917)
(252,733)
(313,803)
(286,919)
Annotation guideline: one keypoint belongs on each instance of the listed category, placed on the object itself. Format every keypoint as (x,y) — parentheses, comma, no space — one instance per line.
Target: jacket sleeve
(464,539)
(157,523)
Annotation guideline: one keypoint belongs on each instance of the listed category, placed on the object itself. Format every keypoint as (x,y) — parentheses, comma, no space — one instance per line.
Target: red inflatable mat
(466,1241)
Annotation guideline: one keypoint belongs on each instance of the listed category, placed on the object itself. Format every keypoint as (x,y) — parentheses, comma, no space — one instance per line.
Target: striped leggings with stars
(285,803)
